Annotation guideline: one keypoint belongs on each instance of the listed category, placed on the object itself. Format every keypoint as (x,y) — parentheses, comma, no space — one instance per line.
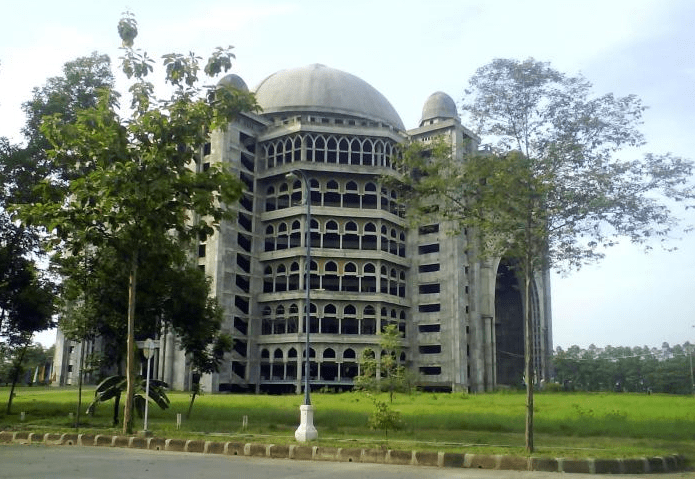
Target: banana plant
(113,386)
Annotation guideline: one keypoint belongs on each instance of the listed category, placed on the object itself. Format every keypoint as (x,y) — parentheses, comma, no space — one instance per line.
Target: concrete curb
(644,465)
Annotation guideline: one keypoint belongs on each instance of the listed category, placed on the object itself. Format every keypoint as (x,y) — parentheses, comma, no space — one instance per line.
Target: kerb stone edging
(671,463)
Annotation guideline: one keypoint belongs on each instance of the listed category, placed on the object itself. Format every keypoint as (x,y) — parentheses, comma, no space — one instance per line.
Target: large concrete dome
(318,88)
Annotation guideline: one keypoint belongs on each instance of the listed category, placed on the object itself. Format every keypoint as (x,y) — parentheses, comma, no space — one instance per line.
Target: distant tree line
(623,369)
(33,369)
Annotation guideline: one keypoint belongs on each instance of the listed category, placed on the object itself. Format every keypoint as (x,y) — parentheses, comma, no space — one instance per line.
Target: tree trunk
(528,357)
(116,405)
(15,376)
(130,359)
(79,386)
(194,393)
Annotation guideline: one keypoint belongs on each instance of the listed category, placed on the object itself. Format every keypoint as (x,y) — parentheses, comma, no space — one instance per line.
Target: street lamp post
(148,351)
(306,430)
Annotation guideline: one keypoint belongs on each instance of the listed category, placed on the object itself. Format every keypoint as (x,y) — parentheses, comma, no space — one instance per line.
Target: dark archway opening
(509,326)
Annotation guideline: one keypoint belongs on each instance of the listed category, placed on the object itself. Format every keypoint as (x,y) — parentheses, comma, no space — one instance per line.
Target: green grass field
(567,425)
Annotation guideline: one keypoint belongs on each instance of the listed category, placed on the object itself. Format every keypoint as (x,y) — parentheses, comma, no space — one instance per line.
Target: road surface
(38,461)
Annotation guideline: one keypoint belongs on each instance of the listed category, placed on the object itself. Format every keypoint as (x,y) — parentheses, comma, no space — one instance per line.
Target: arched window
(351,239)
(351,283)
(293,280)
(293,319)
(313,319)
(315,278)
(393,282)
(320,149)
(331,281)
(270,204)
(331,239)
(343,151)
(270,156)
(282,236)
(350,324)
(315,234)
(283,197)
(310,146)
(351,199)
(268,280)
(379,153)
(329,353)
(369,320)
(332,195)
(369,239)
(297,149)
(270,238)
(287,151)
(369,279)
(331,150)
(388,153)
(384,239)
(267,321)
(315,192)
(384,199)
(355,152)
(281,278)
(297,193)
(368,152)
(393,204)
(329,322)
(369,201)
(296,234)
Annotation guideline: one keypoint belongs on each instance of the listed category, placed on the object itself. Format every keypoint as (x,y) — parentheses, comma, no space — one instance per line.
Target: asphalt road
(57,462)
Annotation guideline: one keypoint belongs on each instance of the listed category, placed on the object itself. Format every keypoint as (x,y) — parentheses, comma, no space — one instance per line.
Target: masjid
(330,134)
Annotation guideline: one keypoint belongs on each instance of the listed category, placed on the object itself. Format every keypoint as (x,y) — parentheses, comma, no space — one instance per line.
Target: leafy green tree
(384,372)
(552,192)
(31,310)
(384,418)
(78,88)
(135,186)
(23,167)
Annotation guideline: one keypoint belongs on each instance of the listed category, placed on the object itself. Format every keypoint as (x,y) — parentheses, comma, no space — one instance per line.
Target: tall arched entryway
(509,326)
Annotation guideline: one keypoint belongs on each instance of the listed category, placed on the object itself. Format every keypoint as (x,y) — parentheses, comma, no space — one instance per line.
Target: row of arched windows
(318,148)
(330,319)
(336,235)
(280,277)
(329,366)
(331,193)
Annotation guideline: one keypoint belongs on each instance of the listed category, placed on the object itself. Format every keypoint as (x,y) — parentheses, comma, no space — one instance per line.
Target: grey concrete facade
(461,323)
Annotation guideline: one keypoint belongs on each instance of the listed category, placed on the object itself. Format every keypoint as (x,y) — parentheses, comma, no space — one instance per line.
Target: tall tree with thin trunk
(134,181)
(553,189)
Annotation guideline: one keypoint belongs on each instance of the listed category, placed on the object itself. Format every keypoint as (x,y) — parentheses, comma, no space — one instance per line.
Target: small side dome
(439,105)
(234,81)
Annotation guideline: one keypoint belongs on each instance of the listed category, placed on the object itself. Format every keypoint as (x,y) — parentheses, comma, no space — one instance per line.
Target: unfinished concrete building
(461,319)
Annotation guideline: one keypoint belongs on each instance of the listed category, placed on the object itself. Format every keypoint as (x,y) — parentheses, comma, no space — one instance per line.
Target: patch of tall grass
(573,423)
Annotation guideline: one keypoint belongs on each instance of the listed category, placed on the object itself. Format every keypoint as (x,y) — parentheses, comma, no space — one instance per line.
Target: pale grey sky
(408,50)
